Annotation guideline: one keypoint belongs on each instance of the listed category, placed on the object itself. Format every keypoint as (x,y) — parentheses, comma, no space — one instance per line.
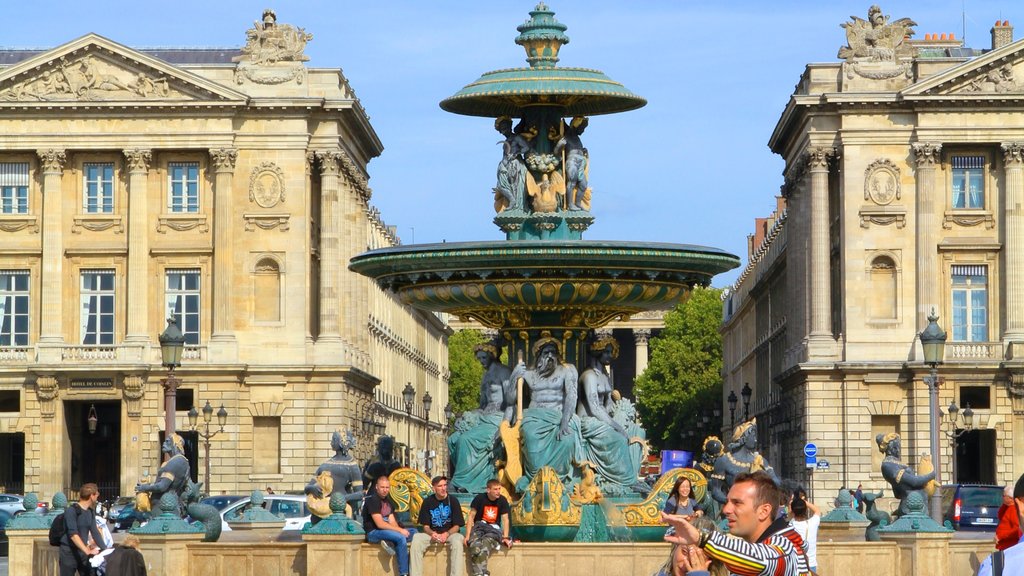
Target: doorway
(976,457)
(12,463)
(95,456)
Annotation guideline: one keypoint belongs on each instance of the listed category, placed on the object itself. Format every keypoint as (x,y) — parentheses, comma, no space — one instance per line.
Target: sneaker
(388,547)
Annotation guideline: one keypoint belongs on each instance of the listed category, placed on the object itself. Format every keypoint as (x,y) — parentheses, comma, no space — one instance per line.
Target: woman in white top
(805,521)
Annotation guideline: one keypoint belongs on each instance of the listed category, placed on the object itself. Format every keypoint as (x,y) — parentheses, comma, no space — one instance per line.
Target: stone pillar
(1013,156)
(167,554)
(138,244)
(922,552)
(29,552)
(223,339)
(330,240)
(641,336)
(134,389)
(333,554)
(52,281)
(52,432)
(820,342)
(929,192)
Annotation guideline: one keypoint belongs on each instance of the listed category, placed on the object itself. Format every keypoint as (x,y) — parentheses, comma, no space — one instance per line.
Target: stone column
(52,281)
(223,246)
(330,235)
(929,191)
(138,244)
(641,336)
(1013,156)
(133,391)
(51,436)
(821,342)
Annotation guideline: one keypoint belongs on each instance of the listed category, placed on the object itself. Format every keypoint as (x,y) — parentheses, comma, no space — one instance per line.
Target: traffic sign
(810,450)
(811,461)
(822,464)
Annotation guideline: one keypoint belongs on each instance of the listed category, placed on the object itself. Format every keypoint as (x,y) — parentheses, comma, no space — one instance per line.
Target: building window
(970,303)
(267,291)
(266,433)
(14,307)
(98,195)
(184,186)
(977,397)
(14,188)
(97,298)
(183,302)
(968,182)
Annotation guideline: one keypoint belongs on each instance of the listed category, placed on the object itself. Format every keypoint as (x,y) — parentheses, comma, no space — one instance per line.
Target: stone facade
(902,194)
(227,187)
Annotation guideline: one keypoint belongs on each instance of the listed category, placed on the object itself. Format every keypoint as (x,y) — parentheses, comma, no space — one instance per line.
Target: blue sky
(691,167)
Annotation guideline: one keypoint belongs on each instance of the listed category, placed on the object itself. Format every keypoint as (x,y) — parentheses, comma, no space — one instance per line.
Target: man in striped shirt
(758,543)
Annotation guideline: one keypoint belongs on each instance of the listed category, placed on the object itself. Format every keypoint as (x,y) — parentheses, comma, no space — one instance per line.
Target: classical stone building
(904,184)
(226,188)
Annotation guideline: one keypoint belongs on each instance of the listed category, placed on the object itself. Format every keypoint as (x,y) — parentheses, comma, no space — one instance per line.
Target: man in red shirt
(1008,531)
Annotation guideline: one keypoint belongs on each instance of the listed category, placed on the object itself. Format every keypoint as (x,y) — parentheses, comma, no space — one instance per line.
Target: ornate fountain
(545,290)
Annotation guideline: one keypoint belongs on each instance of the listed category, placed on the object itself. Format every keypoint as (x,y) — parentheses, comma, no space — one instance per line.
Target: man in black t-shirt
(79,524)
(488,527)
(441,518)
(382,526)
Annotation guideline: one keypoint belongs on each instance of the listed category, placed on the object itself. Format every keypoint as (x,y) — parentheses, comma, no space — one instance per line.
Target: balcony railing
(87,353)
(956,351)
(17,355)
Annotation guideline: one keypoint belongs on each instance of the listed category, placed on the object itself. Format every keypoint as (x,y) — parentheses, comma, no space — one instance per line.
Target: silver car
(11,503)
(291,506)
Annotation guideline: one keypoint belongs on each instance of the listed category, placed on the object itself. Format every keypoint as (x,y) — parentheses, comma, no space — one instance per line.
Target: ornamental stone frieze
(273,53)
(330,161)
(89,78)
(355,176)
(927,153)
(995,80)
(134,390)
(138,160)
(882,182)
(52,160)
(1015,387)
(386,336)
(877,48)
(819,157)
(224,159)
(266,185)
(1013,152)
(46,393)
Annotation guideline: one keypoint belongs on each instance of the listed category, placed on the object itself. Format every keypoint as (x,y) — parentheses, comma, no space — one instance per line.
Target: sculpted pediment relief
(998,72)
(997,79)
(94,69)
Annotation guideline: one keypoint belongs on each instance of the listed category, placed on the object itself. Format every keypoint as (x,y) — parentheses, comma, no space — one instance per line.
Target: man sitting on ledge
(382,526)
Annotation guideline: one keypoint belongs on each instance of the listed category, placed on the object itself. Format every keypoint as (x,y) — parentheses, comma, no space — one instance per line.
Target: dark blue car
(972,506)
(124,518)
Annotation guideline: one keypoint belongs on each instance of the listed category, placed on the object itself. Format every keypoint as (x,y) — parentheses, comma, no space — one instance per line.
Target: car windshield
(220,502)
(978,496)
(122,500)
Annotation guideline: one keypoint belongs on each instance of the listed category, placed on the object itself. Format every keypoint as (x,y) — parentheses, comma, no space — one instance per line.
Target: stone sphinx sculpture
(344,475)
(901,476)
(742,456)
(474,447)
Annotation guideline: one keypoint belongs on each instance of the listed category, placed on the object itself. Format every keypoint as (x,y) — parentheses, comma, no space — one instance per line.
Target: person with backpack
(79,523)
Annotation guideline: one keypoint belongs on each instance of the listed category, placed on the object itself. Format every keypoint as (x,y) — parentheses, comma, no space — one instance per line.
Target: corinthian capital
(641,336)
(138,160)
(52,160)
(224,159)
(927,153)
(330,161)
(818,157)
(1013,152)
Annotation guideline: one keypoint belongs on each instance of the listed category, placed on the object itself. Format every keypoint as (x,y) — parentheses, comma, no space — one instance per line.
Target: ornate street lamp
(933,343)
(732,408)
(172,344)
(427,403)
(746,393)
(408,396)
(93,419)
(448,414)
(206,434)
(960,423)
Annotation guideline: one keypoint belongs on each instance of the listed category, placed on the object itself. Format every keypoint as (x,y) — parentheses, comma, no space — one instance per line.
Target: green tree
(683,380)
(466,371)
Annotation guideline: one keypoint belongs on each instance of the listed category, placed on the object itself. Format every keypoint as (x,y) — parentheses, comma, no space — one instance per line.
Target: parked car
(972,506)
(12,503)
(222,501)
(125,517)
(115,507)
(291,506)
(4,518)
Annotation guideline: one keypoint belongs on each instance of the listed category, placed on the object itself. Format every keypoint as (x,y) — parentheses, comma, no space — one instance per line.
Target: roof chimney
(1002,34)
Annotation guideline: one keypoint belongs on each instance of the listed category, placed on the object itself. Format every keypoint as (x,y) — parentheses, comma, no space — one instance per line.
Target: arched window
(882,298)
(267,291)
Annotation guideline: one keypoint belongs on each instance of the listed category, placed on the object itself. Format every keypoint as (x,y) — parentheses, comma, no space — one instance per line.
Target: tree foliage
(683,380)
(466,371)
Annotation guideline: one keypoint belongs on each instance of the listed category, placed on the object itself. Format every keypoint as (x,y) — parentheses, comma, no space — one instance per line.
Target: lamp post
(955,417)
(408,396)
(732,408)
(92,420)
(933,342)
(222,419)
(427,403)
(746,393)
(172,344)
(448,414)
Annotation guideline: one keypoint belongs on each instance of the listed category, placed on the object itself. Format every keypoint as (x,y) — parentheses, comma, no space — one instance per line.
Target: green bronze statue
(173,476)
(900,476)
(510,193)
(577,162)
(474,446)
(346,478)
(742,456)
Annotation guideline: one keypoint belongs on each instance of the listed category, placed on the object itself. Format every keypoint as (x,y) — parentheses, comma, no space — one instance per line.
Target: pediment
(999,73)
(96,70)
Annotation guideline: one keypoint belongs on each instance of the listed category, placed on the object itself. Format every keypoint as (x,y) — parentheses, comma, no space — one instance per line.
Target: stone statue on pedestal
(741,457)
(550,428)
(510,193)
(474,446)
(345,475)
(900,476)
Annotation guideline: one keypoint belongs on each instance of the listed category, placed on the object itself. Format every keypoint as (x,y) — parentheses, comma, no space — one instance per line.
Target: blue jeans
(401,544)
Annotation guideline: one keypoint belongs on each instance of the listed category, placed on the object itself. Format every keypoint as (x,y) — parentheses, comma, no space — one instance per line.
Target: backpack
(57,529)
